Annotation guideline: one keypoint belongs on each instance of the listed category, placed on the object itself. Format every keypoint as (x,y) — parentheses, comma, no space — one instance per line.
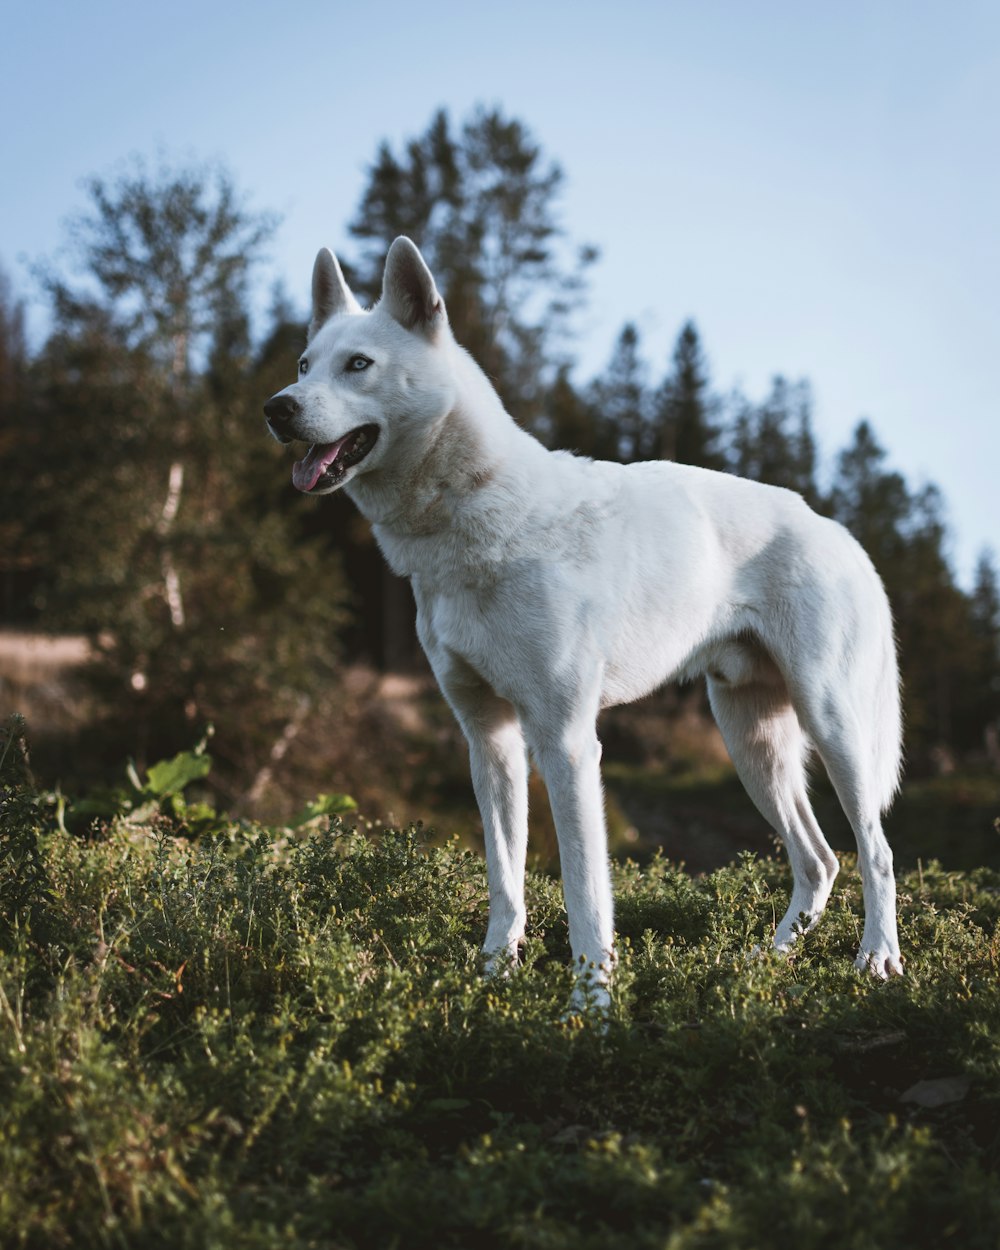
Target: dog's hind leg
(769,750)
(499,764)
(845,747)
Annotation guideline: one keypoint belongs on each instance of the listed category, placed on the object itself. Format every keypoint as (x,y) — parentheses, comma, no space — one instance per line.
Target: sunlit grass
(261,1037)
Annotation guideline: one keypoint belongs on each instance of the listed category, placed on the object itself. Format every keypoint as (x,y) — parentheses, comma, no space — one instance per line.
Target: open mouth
(324,464)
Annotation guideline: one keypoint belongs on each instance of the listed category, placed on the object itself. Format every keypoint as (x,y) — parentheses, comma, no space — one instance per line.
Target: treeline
(144,505)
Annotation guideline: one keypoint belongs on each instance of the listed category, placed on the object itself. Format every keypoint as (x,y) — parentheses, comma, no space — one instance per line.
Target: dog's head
(365,378)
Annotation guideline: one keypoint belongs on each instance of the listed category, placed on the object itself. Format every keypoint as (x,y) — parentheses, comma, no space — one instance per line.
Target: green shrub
(255,1037)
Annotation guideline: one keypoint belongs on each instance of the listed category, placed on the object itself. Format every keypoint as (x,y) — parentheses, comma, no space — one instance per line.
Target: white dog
(549,586)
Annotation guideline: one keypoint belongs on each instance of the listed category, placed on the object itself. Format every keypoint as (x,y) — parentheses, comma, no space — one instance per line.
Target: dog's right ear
(330,293)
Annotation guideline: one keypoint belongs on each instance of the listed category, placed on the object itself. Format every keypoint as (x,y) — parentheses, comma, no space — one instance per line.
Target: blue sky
(817,186)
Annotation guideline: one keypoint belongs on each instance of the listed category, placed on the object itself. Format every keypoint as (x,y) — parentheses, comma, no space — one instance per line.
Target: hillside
(215,1034)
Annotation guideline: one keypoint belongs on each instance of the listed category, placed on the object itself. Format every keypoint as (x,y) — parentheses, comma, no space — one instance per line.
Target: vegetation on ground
(216,1034)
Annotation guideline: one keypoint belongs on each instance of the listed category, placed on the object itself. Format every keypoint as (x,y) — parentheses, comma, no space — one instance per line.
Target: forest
(145,509)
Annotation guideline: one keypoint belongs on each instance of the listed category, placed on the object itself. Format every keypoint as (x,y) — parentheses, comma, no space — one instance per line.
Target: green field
(222,1035)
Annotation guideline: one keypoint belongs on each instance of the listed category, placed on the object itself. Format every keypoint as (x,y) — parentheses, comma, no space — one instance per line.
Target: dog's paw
(794,925)
(501,960)
(589,1006)
(498,965)
(591,996)
(881,963)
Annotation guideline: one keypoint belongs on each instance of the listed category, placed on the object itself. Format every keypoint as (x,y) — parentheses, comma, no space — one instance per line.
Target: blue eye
(357,363)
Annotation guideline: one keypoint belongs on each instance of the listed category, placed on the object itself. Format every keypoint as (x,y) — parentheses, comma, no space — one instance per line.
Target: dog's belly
(641,670)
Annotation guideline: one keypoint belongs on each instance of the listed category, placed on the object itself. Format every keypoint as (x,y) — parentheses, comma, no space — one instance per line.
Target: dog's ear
(408,289)
(330,293)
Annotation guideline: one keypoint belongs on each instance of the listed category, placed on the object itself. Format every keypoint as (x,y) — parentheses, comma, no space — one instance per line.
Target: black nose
(282,412)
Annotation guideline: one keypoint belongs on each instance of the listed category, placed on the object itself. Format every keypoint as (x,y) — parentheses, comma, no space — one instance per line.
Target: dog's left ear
(408,289)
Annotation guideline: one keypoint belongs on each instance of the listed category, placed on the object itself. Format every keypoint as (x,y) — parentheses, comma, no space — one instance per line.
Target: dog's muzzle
(282,413)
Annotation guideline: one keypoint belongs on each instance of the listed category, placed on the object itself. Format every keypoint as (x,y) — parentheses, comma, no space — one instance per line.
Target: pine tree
(685,429)
(872,501)
(980,710)
(481,205)
(569,422)
(480,202)
(620,401)
(905,534)
(773,442)
(18,554)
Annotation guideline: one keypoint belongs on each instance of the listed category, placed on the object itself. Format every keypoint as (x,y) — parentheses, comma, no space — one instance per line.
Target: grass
(256,1037)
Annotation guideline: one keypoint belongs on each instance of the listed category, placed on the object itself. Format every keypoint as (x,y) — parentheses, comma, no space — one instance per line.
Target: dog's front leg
(571,765)
(498,759)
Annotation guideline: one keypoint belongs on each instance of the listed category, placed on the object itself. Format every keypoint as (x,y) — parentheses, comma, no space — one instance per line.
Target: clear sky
(818,186)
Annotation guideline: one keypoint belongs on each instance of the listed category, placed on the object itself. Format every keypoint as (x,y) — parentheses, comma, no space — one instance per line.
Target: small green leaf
(323,805)
(172,776)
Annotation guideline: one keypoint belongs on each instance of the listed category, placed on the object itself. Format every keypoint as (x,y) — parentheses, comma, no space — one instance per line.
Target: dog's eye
(357,363)
(303,366)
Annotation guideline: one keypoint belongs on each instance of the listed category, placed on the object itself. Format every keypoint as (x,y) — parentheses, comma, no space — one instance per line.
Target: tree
(620,402)
(166,257)
(905,534)
(165,260)
(480,202)
(773,442)
(872,501)
(17,556)
(683,410)
(978,713)
(570,422)
(481,205)
(168,538)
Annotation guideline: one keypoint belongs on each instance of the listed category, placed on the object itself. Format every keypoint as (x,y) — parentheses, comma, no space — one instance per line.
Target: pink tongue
(307,471)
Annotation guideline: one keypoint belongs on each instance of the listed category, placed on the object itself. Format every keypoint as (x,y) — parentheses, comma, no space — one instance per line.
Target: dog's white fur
(549,586)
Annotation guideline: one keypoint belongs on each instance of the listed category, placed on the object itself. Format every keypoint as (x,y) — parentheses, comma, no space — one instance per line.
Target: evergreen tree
(481,205)
(620,401)
(931,623)
(684,412)
(773,442)
(13,346)
(480,202)
(906,536)
(872,501)
(18,556)
(570,422)
(979,712)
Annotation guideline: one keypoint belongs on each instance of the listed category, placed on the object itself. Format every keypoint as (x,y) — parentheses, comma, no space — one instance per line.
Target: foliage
(685,413)
(773,441)
(619,402)
(255,1038)
(947,660)
(142,476)
(165,256)
(482,205)
(144,506)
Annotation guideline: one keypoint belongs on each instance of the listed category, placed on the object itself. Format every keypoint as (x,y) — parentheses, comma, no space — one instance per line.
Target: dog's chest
(500,629)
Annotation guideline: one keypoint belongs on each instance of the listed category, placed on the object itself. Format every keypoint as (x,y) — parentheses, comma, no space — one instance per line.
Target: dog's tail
(888,711)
